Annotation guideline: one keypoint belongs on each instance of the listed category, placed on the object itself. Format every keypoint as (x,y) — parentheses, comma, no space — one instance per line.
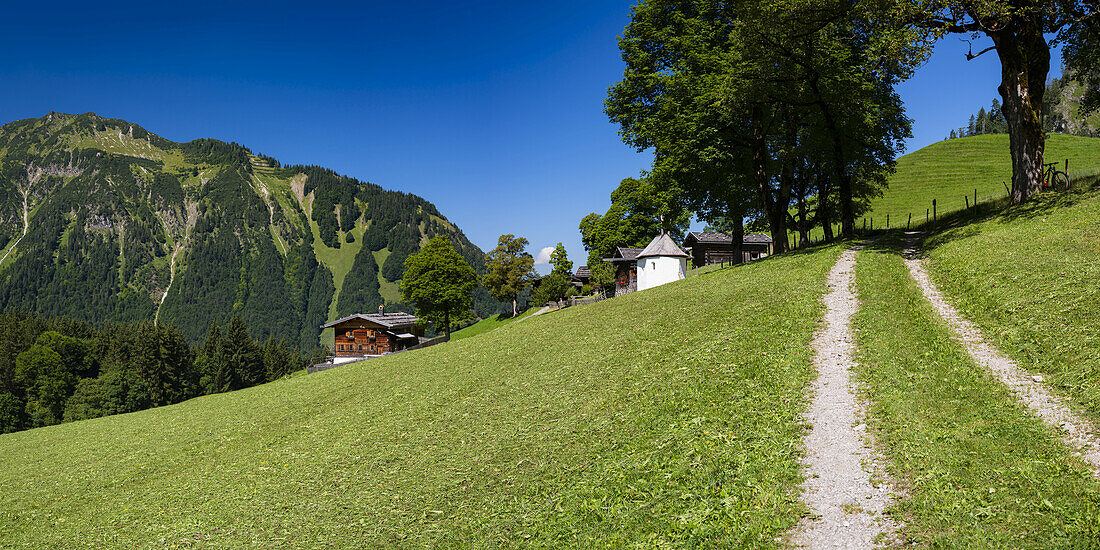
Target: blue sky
(491,110)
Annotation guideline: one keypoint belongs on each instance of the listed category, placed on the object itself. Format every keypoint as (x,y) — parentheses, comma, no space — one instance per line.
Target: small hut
(625,260)
(713,248)
(661,262)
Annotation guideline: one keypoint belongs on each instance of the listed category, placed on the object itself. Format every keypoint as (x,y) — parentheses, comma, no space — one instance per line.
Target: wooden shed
(360,335)
(625,260)
(713,248)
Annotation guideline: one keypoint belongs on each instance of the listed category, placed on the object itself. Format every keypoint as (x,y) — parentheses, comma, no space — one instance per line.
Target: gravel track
(1079,433)
(840,462)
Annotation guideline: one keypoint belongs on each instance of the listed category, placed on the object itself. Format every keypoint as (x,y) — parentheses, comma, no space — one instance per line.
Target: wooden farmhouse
(361,334)
(713,248)
(625,260)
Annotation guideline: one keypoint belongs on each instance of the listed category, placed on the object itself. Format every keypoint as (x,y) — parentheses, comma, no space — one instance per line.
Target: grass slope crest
(102,220)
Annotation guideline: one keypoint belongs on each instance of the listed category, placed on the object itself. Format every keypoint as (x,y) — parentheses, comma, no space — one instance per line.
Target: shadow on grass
(964,223)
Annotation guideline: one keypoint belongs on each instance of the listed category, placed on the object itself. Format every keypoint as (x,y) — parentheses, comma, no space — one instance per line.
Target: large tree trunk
(823,207)
(843,176)
(803,229)
(737,234)
(1025,63)
(760,158)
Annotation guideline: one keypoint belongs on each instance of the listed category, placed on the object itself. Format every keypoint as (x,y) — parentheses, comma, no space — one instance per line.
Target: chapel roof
(662,245)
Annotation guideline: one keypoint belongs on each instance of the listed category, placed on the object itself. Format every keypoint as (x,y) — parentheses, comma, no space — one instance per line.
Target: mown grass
(980,471)
(950,170)
(670,417)
(1029,277)
(489,324)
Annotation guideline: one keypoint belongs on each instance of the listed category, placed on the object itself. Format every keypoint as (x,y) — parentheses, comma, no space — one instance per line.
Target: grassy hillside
(980,471)
(489,324)
(1029,278)
(655,419)
(949,170)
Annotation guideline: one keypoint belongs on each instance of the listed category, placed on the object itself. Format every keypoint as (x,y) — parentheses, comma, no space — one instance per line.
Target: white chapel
(661,262)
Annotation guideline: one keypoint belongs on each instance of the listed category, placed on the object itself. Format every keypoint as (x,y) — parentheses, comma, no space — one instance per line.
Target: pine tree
(242,364)
(982,121)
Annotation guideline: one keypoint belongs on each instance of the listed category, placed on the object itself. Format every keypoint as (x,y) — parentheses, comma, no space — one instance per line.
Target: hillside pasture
(669,417)
(1028,277)
(976,468)
(950,171)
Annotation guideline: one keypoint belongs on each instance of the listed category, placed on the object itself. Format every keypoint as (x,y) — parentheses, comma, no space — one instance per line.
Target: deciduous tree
(560,260)
(726,93)
(440,283)
(508,269)
(1018,30)
(639,210)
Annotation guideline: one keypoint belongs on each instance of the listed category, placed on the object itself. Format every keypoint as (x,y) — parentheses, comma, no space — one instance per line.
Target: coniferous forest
(55,369)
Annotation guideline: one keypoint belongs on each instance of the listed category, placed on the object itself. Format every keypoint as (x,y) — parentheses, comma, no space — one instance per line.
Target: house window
(340,347)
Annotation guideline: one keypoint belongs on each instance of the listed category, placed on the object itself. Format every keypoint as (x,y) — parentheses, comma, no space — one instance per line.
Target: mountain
(104,221)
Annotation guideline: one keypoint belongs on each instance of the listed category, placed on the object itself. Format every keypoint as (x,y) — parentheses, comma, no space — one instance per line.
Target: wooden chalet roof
(725,238)
(624,254)
(394,320)
(583,272)
(662,245)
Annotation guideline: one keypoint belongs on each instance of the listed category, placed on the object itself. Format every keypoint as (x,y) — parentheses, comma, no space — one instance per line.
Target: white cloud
(544,256)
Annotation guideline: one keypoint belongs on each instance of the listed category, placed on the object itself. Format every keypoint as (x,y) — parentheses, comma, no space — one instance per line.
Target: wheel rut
(1078,433)
(847,506)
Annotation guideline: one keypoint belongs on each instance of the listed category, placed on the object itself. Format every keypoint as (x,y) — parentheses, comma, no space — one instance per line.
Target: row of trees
(754,109)
(56,370)
(440,282)
(985,122)
(1062,97)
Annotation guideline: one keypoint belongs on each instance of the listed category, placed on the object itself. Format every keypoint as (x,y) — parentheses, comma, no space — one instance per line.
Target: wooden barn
(713,248)
(582,277)
(625,260)
(360,335)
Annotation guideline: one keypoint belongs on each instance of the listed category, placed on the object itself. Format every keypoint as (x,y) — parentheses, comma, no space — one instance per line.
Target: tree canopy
(560,260)
(508,269)
(439,282)
(638,207)
(741,99)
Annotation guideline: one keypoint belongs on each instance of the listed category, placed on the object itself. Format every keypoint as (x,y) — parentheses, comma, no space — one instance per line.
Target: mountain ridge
(104,221)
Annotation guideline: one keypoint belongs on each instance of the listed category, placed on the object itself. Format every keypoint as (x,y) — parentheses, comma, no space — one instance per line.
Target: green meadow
(1029,277)
(977,469)
(950,171)
(670,417)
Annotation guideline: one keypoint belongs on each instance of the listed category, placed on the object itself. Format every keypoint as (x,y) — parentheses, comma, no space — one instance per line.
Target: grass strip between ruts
(978,469)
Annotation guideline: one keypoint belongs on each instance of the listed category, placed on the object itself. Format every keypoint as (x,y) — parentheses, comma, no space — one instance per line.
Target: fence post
(872,223)
(888,221)
(975,199)
(933,210)
(909,222)
(967,199)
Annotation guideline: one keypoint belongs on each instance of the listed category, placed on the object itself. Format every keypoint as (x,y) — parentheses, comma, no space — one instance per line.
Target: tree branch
(970,55)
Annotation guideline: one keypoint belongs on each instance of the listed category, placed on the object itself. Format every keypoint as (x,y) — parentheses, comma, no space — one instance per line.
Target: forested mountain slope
(101,220)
